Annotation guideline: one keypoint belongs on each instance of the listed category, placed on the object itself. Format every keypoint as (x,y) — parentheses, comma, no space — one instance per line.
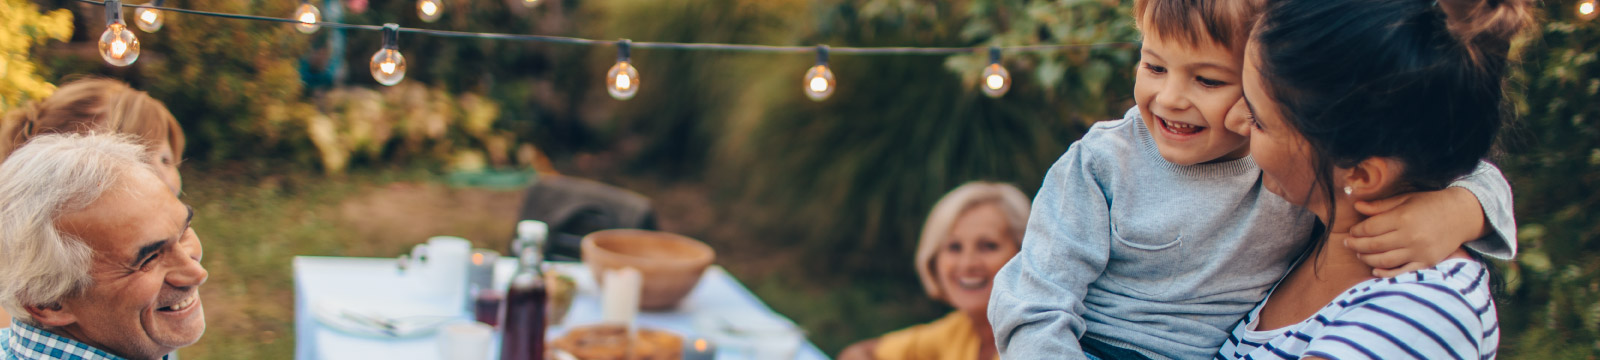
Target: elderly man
(96,254)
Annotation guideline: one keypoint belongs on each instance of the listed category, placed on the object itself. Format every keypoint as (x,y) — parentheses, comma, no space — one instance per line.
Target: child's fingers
(1388,241)
(1375,207)
(1386,260)
(1375,226)
(1389,273)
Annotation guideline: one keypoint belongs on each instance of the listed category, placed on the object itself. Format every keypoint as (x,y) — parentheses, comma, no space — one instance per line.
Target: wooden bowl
(669,264)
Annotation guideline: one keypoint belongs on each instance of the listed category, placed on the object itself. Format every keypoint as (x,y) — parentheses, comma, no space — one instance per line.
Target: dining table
(376,284)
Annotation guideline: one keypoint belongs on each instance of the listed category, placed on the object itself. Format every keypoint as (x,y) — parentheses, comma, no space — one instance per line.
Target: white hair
(45,179)
(1011,202)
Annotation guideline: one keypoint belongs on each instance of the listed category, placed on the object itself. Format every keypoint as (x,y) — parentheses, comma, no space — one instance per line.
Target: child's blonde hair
(1197,22)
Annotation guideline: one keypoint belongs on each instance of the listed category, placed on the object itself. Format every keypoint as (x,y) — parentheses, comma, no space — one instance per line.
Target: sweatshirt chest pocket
(1146,263)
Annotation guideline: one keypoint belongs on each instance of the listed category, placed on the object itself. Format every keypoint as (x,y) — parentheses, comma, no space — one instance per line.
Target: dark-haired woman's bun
(1487,27)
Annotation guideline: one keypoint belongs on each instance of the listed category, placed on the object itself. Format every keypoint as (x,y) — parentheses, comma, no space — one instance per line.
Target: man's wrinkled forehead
(127,217)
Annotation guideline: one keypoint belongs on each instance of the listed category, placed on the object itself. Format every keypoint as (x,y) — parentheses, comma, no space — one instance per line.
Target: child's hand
(1416,230)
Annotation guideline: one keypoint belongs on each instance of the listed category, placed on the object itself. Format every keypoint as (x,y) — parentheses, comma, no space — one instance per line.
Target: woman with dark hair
(1358,100)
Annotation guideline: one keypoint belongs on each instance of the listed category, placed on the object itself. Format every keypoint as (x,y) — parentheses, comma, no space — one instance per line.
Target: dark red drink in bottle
(524,322)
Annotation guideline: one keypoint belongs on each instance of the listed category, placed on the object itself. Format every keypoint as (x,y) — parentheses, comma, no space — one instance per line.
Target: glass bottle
(524,310)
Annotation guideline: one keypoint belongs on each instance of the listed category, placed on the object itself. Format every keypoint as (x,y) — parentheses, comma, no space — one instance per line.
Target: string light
(996,80)
(819,82)
(388,66)
(622,81)
(1586,10)
(529,3)
(149,19)
(307,17)
(429,10)
(118,46)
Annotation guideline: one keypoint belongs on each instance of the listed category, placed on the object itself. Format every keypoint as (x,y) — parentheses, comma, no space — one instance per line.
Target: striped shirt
(1444,312)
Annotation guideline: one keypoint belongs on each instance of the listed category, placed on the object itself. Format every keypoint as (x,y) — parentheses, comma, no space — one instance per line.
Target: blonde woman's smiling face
(980,243)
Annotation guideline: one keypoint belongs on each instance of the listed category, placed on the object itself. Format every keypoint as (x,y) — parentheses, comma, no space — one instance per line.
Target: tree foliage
(1552,308)
(22,28)
(234,83)
(853,176)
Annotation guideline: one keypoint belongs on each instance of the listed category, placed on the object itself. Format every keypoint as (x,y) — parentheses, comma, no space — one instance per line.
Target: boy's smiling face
(1184,94)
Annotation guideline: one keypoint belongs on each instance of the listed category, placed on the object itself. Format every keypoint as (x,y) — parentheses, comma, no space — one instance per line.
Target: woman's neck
(1333,255)
(1320,277)
(980,325)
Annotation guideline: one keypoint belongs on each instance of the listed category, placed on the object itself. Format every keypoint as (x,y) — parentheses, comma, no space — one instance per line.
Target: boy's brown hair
(1194,22)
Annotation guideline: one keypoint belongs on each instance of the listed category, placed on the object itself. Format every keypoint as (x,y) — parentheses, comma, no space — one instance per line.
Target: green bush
(23,28)
(1552,307)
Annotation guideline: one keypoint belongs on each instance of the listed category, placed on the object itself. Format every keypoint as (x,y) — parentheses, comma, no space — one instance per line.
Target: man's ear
(1372,178)
(51,315)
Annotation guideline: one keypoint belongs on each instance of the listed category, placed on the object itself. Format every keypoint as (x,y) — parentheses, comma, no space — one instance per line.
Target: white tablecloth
(376,281)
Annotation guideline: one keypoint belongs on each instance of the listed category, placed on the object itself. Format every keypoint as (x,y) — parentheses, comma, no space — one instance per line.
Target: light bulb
(1586,10)
(148,19)
(307,18)
(429,10)
(996,80)
(388,66)
(118,46)
(622,81)
(819,82)
(529,3)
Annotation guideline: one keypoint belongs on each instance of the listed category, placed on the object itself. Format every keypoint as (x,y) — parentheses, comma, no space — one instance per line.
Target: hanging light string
(636,44)
(388,65)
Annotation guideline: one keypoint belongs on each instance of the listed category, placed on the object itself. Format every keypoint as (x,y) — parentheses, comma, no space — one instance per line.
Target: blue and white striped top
(1444,312)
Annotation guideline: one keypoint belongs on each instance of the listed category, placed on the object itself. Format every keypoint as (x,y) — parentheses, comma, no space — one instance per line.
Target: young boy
(1151,237)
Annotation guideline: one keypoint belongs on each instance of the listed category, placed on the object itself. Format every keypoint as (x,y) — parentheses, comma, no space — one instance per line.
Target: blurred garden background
(815,206)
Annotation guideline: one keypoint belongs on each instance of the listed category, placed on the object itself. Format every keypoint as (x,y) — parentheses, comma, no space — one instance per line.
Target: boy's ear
(1372,178)
(51,315)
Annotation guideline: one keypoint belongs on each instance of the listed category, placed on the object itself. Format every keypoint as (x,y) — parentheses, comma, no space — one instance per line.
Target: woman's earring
(1348,191)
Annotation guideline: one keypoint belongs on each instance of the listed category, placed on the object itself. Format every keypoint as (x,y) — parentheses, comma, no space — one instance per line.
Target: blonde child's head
(1188,78)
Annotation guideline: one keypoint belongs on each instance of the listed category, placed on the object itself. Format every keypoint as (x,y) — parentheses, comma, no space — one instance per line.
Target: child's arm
(1036,306)
(1418,230)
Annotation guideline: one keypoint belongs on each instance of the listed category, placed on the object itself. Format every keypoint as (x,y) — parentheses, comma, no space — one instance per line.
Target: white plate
(768,335)
(385,321)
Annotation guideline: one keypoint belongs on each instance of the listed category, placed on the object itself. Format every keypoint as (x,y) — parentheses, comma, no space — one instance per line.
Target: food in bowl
(670,265)
(610,342)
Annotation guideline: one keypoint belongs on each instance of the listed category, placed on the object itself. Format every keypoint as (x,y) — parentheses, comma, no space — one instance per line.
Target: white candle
(619,295)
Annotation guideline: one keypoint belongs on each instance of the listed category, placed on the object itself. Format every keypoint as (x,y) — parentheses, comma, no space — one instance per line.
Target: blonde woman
(971,232)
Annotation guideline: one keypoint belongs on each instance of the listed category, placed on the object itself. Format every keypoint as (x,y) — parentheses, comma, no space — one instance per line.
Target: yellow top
(949,338)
